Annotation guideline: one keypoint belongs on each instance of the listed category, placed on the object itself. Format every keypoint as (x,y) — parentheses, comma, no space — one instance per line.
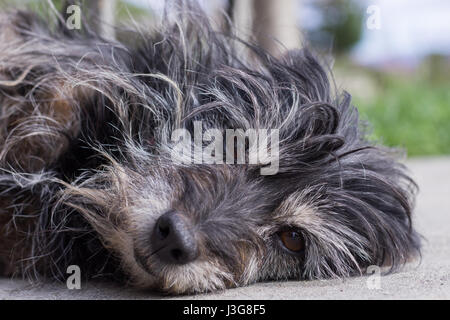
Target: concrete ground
(427,279)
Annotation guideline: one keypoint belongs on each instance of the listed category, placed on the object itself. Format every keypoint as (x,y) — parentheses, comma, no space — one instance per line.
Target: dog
(90,175)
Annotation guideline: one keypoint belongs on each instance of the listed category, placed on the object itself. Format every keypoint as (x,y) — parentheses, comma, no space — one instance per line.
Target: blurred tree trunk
(241,12)
(273,23)
(276,20)
(101,14)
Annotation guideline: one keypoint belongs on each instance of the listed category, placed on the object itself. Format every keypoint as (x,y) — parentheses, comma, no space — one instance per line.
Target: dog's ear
(310,116)
(309,73)
(305,89)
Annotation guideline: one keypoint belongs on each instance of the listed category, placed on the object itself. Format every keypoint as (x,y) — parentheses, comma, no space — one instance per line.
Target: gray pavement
(427,279)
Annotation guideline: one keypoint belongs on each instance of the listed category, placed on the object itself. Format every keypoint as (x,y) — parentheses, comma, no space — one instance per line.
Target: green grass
(411,113)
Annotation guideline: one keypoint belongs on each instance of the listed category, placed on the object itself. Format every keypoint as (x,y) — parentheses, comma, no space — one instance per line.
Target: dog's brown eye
(292,240)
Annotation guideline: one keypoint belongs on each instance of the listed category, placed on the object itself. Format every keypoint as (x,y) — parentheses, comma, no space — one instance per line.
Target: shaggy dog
(88,175)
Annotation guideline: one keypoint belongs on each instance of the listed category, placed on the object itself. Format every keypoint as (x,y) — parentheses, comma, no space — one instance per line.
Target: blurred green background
(398,75)
(403,92)
(408,110)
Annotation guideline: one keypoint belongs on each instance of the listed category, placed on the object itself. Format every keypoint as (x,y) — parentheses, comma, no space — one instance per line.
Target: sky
(410,30)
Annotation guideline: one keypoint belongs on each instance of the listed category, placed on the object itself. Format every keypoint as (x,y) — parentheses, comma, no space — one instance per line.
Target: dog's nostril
(174,239)
(163,231)
(177,254)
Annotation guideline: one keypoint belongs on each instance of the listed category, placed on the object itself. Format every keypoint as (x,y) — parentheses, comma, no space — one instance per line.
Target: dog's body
(87,176)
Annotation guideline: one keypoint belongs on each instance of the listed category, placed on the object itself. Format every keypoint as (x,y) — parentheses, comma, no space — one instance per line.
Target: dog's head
(183,222)
(195,211)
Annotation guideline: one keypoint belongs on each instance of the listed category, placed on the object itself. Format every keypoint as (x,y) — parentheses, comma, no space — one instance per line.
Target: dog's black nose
(173,239)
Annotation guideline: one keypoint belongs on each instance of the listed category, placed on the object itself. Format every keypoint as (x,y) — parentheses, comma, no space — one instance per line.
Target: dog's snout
(174,240)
